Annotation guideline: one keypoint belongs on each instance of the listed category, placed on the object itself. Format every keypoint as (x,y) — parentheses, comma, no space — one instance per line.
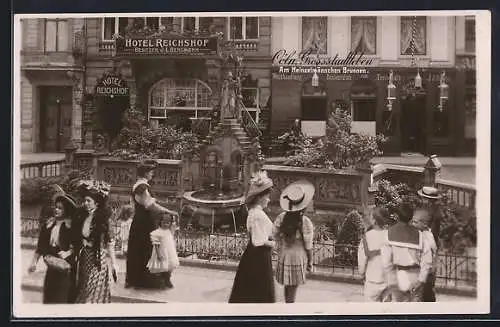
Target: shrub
(136,140)
(39,190)
(338,149)
(458,225)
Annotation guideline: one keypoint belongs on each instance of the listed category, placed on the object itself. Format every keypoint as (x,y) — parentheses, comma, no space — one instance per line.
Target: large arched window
(170,97)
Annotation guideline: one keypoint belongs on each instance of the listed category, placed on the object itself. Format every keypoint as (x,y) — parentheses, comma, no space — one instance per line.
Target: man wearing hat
(406,258)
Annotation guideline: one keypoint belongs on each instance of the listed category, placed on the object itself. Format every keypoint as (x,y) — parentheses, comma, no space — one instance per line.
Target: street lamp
(391,91)
(315,79)
(443,91)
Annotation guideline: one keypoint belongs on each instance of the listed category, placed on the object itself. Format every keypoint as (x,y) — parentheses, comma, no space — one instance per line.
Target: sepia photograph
(230,164)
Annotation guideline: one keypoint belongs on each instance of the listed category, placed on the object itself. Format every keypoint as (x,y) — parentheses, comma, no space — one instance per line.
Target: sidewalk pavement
(195,285)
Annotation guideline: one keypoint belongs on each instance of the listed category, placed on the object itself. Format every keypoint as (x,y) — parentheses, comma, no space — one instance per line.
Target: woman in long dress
(139,242)
(254,282)
(94,242)
(55,240)
(294,233)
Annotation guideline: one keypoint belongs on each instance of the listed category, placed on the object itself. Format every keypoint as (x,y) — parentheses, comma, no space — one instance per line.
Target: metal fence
(453,270)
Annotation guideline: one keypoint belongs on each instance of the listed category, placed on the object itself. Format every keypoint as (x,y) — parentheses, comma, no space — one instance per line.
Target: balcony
(35,60)
(245,45)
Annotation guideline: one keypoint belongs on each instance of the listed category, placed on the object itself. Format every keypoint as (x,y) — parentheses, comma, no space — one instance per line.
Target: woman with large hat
(140,246)
(54,245)
(93,241)
(254,282)
(294,233)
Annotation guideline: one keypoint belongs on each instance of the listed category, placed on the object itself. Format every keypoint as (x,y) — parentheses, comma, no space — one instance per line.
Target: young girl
(164,243)
(125,219)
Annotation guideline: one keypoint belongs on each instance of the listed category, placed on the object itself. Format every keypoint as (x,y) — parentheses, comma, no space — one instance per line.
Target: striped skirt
(94,282)
(291,268)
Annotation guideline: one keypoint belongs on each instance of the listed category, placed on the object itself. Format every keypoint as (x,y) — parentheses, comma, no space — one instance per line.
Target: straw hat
(259,183)
(429,192)
(297,195)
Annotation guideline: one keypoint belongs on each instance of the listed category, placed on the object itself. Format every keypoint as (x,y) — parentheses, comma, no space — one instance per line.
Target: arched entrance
(412,118)
(175,101)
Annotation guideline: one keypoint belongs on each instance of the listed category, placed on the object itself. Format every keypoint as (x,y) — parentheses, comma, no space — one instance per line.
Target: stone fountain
(226,161)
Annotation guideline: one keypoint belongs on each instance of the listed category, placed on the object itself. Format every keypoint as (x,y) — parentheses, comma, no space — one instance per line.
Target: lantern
(418,80)
(443,88)
(315,79)
(391,88)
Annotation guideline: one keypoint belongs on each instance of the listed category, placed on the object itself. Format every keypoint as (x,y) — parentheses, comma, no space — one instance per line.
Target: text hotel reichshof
(163,43)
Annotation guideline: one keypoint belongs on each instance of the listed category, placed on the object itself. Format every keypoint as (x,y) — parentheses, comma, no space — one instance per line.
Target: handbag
(56,263)
(155,265)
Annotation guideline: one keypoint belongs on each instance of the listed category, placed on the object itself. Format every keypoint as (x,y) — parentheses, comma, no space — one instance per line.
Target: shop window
(364,35)
(112,26)
(169,95)
(470,115)
(441,122)
(413,35)
(314,34)
(243,28)
(56,35)
(363,109)
(314,108)
(470,34)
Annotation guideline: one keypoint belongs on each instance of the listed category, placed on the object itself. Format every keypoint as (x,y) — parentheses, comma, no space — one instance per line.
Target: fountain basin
(207,203)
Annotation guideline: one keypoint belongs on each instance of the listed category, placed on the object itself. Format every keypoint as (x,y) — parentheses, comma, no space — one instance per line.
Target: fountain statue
(226,161)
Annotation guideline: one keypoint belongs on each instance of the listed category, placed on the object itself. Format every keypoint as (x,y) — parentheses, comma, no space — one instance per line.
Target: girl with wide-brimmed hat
(294,233)
(254,282)
(54,245)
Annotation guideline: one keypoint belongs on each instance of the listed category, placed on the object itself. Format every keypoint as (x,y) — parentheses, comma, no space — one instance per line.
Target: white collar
(140,181)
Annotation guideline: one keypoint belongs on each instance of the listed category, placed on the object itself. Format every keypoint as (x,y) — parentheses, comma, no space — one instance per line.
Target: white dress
(165,239)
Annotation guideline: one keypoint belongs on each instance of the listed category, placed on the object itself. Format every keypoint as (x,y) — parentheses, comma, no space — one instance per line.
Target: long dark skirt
(138,254)
(94,278)
(56,286)
(254,281)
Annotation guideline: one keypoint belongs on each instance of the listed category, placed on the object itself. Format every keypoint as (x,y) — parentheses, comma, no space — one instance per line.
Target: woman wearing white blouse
(254,281)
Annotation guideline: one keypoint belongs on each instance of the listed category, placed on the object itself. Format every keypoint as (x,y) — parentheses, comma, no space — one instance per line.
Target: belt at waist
(412,267)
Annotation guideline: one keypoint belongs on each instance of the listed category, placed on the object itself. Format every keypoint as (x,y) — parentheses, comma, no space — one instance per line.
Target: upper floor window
(470,34)
(191,24)
(413,35)
(314,34)
(112,26)
(364,35)
(243,28)
(56,35)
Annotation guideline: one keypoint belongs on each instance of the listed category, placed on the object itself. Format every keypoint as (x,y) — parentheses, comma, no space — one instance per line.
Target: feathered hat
(98,190)
(259,183)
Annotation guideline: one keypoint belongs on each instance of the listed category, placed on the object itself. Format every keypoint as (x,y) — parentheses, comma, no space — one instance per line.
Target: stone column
(77,115)
(431,170)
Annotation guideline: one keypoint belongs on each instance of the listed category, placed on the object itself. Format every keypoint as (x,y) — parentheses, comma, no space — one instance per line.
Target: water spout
(234,221)
(213,220)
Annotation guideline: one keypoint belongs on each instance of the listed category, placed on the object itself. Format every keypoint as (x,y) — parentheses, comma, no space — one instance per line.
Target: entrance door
(55,117)
(413,125)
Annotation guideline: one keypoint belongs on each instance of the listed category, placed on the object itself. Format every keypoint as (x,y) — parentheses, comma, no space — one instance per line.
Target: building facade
(65,62)
(420,118)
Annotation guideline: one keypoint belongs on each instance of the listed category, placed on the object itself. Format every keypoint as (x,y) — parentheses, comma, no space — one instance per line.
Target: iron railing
(453,270)
(42,169)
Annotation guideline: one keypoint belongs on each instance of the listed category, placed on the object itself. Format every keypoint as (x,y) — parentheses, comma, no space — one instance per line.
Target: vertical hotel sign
(171,46)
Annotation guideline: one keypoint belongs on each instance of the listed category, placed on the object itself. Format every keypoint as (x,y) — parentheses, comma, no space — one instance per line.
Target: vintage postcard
(267,163)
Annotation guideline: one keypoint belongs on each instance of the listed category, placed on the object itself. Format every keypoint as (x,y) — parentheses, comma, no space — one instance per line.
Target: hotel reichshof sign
(170,46)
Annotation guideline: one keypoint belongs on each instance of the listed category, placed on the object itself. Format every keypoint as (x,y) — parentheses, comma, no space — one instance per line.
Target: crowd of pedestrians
(397,262)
